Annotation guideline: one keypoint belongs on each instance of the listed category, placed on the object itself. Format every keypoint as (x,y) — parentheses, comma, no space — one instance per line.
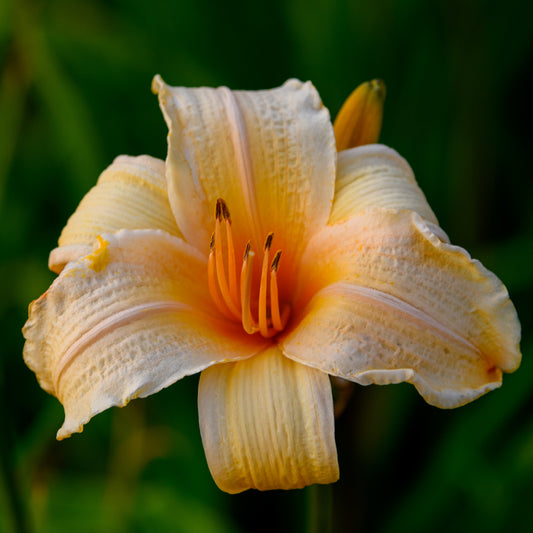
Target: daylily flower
(261,257)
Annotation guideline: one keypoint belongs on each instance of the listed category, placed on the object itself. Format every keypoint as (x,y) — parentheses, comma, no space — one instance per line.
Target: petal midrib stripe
(108,324)
(413,314)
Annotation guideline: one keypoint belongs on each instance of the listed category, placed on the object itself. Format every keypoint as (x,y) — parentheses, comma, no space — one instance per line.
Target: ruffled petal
(403,300)
(124,322)
(130,194)
(267,423)
(368,337)
(376,176)
(269,154)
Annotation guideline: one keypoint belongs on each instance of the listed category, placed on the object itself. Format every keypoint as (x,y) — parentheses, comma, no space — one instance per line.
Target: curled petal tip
(157,83)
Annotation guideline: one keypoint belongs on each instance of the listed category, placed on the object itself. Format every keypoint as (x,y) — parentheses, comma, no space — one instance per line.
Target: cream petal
(418,282)
(376,176)
(370,337)
(267,423)
(130,194)
(269,154)
(124,322)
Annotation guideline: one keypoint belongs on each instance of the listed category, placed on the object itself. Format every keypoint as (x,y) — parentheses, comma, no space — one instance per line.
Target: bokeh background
(75,92)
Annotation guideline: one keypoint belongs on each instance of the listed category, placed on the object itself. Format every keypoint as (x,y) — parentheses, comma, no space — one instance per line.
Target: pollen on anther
(247,251)
(268,241)
(225,212)
(218,209)
(231,293)
(275,262)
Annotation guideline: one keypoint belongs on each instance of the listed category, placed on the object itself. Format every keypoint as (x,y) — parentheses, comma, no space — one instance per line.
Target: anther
(232,295)
(247,251)
(218,209)
(225,211)
(268,241)
(275,262)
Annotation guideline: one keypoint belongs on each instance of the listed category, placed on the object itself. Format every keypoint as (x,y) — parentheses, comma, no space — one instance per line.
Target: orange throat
(233,296)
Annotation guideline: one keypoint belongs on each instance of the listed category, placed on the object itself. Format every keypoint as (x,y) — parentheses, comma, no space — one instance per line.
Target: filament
(233,296)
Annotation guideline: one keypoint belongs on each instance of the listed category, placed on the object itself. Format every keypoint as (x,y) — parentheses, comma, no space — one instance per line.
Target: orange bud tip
(360,118)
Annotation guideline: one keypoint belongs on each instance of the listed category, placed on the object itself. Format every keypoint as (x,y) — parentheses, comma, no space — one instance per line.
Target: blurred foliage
(75,92)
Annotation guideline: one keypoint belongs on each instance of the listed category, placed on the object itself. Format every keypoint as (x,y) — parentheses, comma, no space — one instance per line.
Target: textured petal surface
(376,176)
(412,303)
(269,154)
(368,337)
(267,423)
(130,194)
(124,322)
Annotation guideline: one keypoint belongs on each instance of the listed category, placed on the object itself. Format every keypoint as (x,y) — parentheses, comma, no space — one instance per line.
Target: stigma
(232,292)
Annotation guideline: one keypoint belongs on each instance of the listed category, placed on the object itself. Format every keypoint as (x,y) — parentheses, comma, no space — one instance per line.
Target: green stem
(319,509)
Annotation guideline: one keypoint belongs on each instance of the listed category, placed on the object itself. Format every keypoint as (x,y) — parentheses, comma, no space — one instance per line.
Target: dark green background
(75,92)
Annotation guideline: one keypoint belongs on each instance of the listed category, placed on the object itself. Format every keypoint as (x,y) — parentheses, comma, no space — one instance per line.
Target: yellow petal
(126,321)
(359,120)
(130,194)
(419,305)
(269,154)
(267,423)
(376,176)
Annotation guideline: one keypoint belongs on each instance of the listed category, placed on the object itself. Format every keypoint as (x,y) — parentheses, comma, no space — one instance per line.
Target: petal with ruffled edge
(267,423)
(390,302)
(377,176)
(130,194)
(269,154)
(126,321)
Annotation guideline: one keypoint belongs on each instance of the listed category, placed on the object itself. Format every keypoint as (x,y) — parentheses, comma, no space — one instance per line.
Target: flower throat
(232,294)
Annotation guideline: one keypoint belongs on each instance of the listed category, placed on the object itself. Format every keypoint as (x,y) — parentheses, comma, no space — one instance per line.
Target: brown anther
(225,212)
(247,251)
(232,293)
(275,262)
(268,241)
(218,209)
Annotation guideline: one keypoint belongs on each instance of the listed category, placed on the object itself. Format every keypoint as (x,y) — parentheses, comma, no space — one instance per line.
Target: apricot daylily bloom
(261,257)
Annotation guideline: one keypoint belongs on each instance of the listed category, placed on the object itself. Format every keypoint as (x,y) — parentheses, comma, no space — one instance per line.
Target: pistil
(278,322)
(262,309)
(246,291)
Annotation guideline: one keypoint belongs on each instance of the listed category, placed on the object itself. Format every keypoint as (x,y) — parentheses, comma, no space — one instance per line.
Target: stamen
(246,291)
(274,302)
(218,209)
(232,272)
(268,241)
(263,287)
(219,263)
(275,262)
(232,295)
(212,281)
